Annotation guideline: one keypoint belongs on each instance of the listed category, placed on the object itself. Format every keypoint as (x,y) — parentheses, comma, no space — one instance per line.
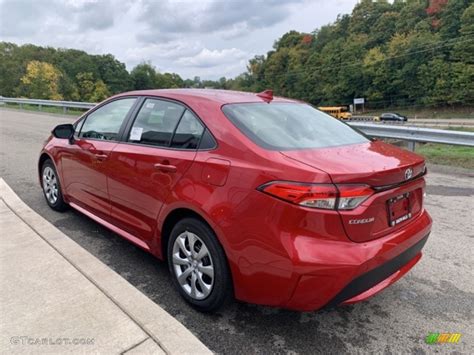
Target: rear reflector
(324,196)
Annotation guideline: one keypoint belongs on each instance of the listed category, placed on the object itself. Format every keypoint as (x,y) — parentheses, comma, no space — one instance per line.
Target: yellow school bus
(339,112)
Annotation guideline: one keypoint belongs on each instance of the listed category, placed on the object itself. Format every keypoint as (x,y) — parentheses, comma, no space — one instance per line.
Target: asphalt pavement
(436,296)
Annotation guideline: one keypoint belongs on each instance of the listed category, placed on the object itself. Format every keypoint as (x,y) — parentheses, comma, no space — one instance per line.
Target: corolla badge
(408,174)
(362,221)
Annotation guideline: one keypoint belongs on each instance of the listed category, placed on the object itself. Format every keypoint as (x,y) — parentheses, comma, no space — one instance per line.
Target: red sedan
(264,199)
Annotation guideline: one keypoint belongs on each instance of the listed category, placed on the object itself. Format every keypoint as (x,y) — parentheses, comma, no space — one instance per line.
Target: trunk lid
(386,168)
(374,163)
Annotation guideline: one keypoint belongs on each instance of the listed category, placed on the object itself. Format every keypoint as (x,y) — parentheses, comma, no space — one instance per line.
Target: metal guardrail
(40,103)
(401,132)
(416,134)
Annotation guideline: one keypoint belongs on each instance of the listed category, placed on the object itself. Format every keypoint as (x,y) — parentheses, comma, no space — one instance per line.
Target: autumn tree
(91,90)
(41,81)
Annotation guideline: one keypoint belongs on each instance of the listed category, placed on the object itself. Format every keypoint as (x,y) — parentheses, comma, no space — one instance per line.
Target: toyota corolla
(247,196)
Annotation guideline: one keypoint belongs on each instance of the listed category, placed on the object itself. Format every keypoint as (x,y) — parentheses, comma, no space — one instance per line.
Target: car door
(86,162)
(160,147)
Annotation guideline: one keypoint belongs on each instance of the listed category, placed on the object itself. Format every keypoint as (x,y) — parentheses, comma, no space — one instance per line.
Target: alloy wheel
(50,185)
(193,266)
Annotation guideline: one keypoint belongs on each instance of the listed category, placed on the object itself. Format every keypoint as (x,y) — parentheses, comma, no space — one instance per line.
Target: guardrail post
(64,109)
(411,145)
(39,107)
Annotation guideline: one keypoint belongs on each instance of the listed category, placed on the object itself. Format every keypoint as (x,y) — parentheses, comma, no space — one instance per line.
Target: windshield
(289,126)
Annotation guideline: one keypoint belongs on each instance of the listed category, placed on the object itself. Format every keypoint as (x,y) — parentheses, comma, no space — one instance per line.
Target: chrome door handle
(166,167)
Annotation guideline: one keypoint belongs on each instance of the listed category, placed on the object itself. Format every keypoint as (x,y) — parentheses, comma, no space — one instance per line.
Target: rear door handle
(166,167)
(101,157)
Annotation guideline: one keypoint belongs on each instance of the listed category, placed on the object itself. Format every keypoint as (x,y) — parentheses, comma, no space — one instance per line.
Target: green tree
(11,70)
(450,18)
(143,76)
(113,73)
(464,47)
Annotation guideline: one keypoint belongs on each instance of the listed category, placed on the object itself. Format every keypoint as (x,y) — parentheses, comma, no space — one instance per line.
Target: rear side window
(289,126)
(156,123)
(188,133)
(105,122)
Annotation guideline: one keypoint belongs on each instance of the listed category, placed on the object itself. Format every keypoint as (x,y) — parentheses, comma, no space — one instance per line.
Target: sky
(205,38)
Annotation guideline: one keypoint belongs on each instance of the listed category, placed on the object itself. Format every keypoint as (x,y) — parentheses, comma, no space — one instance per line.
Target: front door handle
(166,167)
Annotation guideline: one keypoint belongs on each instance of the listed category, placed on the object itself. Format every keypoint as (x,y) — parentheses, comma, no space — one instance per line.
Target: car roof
(213,95)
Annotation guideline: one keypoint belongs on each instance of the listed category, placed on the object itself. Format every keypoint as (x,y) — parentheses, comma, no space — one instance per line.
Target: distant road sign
(359,101)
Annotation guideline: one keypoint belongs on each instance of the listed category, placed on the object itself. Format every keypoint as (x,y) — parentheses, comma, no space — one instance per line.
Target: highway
(422,122)
(436,296)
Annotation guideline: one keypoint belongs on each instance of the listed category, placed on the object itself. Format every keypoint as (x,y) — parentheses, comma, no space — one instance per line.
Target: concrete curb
(165,330)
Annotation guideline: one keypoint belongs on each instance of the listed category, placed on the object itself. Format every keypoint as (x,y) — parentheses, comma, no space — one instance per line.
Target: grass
(427,112)
(447,154)
(48,109)
(461,128)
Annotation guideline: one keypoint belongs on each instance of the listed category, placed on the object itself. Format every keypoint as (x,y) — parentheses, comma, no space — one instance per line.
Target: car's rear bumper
(375,280)
(351,272)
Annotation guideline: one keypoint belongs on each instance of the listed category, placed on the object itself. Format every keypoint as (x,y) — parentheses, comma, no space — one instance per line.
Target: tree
(113,73)
(375,75)
(168,80)
(143,76)
(41,81)
(91,90)
(450,18)
(435,78)
(411,12)
(464,47)
(101,92)
(11,70)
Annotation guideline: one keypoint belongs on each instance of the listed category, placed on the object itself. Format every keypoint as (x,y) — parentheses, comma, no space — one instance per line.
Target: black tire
(221,292)
(58,204)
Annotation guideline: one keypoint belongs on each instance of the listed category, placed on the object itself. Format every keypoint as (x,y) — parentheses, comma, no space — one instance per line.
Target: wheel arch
(176,215)
(47,156)
(173,217)
(43,157)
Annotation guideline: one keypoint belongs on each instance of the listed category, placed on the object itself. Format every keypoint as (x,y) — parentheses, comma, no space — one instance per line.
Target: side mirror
(64,131)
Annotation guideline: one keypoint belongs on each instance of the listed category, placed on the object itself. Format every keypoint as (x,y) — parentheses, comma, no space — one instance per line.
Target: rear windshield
(289,126)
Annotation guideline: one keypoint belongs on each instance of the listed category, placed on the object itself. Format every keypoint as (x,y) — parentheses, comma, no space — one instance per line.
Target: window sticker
(150,105)
(136,133)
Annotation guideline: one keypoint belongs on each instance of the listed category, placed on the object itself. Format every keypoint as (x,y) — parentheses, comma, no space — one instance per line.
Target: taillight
(309,195)
(325,196)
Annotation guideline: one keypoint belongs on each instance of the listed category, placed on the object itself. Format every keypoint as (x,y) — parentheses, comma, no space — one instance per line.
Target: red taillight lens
(309,195)
(325,196)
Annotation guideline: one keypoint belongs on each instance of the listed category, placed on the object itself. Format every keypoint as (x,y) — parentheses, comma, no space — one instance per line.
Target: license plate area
(399,209)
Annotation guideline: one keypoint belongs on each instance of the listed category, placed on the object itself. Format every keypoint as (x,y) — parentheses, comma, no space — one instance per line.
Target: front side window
(105,122)
(77,127)
(289,126)
(156,123)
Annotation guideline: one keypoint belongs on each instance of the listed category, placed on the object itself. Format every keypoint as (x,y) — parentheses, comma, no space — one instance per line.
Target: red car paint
(280,254)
